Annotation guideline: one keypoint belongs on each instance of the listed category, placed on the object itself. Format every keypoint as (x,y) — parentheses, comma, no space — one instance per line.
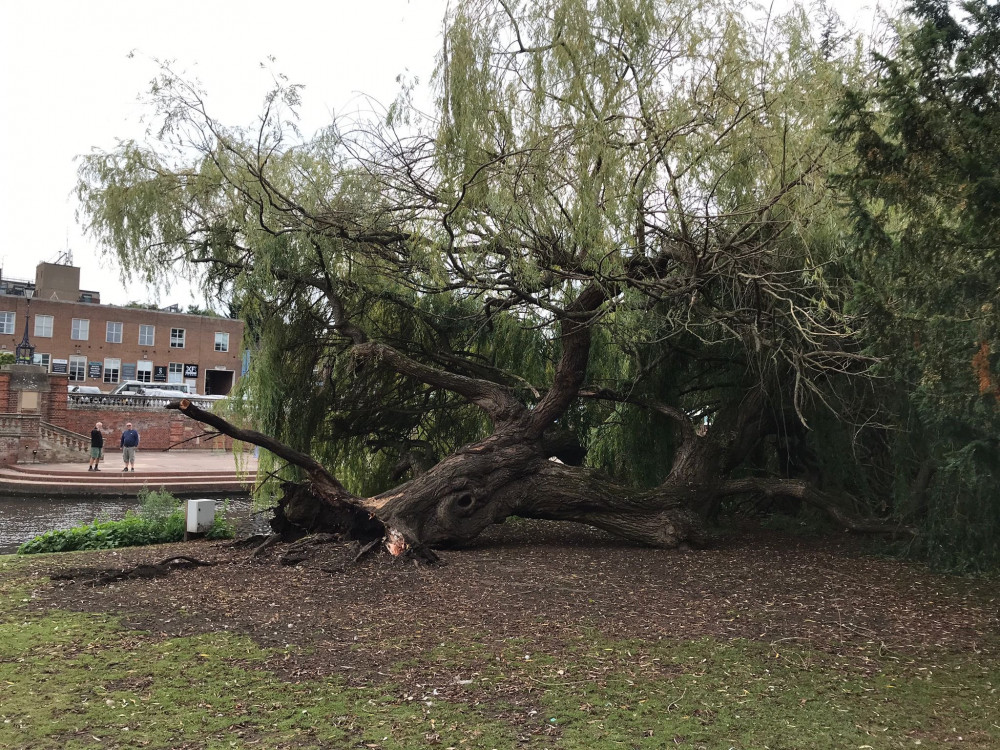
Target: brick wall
(54,407)
(20,434)
(10,449)
(159,429)
(19,440)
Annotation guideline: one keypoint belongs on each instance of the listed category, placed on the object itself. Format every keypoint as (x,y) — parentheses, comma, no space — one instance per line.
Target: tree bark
(477,486)
(509,474)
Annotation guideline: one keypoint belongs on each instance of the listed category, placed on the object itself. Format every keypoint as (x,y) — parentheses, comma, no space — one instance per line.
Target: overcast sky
(69,86)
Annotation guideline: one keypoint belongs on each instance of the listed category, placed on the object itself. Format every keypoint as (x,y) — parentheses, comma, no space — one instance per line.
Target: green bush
(159,520)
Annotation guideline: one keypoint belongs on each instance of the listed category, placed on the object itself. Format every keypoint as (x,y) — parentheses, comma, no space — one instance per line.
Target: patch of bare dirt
(536,582)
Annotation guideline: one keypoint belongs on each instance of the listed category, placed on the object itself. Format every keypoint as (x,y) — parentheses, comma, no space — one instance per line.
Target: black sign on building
(94,370)
(190,371)
(159,374)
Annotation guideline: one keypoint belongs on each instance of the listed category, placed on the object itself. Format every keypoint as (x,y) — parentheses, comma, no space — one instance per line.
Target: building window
(221,341)
(77,368)
(114,333)
(112,368)
(41,359)
(175,372)
(6,322)
(43,326)
(147,335)
(176,338)
(144,371)
(80,330)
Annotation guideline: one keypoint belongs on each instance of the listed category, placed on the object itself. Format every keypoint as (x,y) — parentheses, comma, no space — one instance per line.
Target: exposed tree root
(268,542)
(104,576)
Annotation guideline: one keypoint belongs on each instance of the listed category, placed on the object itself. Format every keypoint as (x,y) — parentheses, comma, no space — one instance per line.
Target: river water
(23,518)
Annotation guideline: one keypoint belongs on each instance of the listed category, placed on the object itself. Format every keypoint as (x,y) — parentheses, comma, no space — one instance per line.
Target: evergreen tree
(925,198)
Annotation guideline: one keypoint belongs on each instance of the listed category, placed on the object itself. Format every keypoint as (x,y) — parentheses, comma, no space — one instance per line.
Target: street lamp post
(25,352)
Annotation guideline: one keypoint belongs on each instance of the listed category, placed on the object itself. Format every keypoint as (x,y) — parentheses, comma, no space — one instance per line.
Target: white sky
(68,86)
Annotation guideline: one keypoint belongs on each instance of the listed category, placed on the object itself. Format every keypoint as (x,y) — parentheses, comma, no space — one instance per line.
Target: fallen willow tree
(513,472)
(603,283)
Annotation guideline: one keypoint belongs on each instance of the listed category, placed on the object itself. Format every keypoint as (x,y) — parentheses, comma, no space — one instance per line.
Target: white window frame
(43,359)
(112,369)
(175,372)
(221,341)
(144,367)
(151,338)
(113,332)
(43,326)
(77,368)
(8,321)
(177,336)
(80,329)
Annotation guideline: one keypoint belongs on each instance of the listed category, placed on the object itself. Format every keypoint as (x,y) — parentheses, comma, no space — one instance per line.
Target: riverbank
(543,635)
(35,498)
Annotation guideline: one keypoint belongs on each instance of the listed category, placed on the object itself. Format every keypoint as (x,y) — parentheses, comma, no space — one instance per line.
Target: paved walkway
(184,473)
(175,461)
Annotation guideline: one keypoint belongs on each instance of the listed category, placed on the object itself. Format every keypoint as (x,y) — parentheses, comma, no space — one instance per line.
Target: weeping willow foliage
(673,154)
(360,418)
(608,130)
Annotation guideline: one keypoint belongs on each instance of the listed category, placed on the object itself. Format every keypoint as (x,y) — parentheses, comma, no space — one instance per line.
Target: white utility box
(200,516)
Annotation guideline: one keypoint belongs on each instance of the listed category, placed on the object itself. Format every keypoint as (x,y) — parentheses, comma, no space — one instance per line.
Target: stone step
(180,488)
(185,473)
(37,481)
(83,475)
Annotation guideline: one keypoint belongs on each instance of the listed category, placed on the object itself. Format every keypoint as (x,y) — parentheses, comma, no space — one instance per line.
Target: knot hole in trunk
(465,504)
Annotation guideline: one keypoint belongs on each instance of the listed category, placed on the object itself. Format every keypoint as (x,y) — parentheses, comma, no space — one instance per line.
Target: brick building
(101,345)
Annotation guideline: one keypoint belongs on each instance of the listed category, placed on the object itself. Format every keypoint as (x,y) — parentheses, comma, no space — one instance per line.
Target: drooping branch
(342,323)
(739,427)
(678,416)
(317,473)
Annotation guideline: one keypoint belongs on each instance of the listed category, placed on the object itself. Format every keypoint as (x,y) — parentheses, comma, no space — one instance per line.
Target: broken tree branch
(317,473)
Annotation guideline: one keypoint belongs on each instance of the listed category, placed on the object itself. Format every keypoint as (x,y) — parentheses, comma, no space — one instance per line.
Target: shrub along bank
(159,520)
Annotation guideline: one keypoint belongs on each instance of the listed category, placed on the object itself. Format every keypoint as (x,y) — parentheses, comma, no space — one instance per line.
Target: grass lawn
(147,664)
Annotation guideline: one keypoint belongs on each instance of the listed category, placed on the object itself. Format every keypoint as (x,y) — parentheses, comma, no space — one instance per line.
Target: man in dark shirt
(96,448)
(130,441)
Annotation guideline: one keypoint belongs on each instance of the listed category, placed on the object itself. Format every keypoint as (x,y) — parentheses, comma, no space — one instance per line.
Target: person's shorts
(96,452)
(129,454)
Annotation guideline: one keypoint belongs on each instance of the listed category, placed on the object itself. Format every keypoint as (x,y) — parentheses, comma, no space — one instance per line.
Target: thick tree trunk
(510,475)
(487,482)
(659,517)
(505,475)
(479,485)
